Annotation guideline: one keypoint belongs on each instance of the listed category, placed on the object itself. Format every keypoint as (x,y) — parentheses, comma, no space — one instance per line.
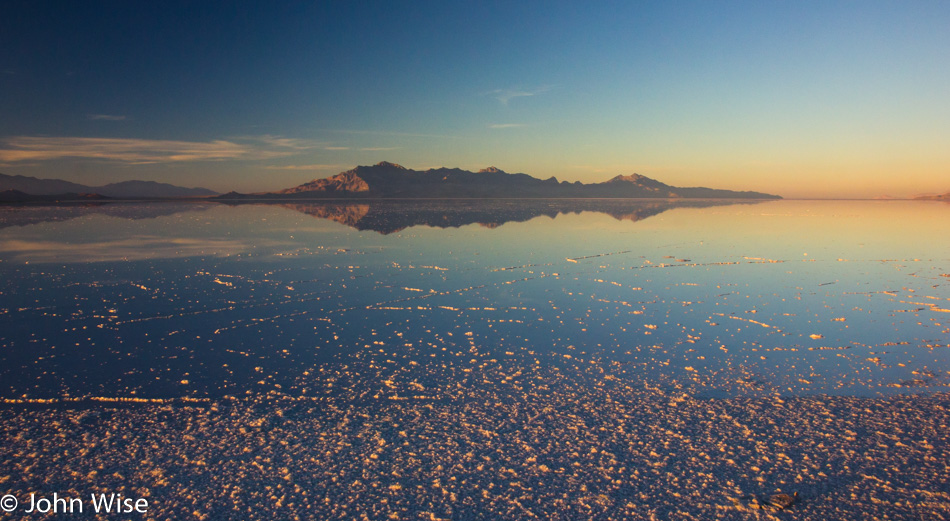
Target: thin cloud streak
(507,125)
(286,142)
(363,149)
(105,117)
(144,151)
(506,95)
(304,167)
(384,133)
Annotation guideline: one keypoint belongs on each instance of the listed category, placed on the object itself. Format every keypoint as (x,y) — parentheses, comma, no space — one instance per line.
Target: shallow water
(204,300)
(479,360)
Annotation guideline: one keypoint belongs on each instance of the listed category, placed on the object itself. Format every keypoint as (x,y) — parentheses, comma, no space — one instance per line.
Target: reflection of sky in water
(789,297)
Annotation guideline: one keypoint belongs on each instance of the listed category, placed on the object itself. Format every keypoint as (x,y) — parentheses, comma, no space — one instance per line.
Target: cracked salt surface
(694,363)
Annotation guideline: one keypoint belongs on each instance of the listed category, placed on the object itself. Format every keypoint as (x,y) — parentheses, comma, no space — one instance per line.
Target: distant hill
(34,186)
(389,180)
(16,196)
(941,197)
(123,190)
(151,189)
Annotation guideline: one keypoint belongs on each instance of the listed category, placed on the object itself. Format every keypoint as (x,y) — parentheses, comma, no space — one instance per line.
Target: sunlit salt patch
(763,259)
(102,400)
(749,320)
(575,259)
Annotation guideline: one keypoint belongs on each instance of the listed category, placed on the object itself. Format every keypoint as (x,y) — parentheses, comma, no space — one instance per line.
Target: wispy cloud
(305,167)
(507,125)
(383,133)
(362,149)
(141,151)
(506,95)
(285,142)
(105,117)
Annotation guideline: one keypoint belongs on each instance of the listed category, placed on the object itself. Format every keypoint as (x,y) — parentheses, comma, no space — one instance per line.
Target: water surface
(714,299)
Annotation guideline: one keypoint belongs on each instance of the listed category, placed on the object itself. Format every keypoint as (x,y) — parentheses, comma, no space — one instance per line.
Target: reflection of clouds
(130,249)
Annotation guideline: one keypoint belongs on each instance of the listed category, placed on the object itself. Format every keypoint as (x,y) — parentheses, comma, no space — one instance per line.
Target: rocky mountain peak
(387,164)
(632,178)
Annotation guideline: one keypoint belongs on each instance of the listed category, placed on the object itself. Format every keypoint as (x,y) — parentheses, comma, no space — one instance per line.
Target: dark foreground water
(470,360)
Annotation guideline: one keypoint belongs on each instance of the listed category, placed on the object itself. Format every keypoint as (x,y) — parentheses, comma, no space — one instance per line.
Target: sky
(806,99)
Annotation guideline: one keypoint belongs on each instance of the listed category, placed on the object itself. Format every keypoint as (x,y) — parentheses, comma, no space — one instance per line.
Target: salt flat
(504,359)
(493,442)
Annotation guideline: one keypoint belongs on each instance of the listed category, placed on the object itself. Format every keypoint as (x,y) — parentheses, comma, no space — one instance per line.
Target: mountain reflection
(17,215)
(386,217)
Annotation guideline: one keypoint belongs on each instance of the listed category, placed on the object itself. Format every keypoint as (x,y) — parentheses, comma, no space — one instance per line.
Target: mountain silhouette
(940,197)
(389,180)
(124,189)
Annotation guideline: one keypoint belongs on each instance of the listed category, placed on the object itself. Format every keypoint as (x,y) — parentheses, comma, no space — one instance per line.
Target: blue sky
(804,99)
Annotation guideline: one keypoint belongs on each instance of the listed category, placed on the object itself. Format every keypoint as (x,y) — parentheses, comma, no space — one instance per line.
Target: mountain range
(941,197)
(124,190)
(384,181)
(389,180)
